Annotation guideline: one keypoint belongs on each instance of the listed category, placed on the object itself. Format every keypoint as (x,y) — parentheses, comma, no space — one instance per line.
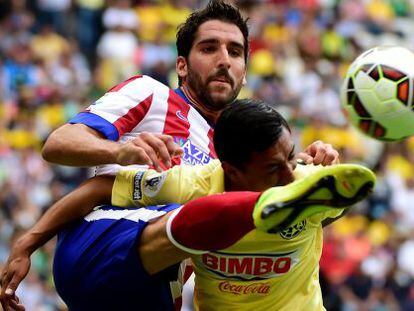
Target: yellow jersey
(261,271)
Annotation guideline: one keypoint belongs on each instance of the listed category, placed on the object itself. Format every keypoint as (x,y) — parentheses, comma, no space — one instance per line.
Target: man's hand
(14,272)
(319,153)
(12,303)
(149,149)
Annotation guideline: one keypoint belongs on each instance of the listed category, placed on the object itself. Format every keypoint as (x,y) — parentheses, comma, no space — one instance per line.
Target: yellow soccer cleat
(324,189)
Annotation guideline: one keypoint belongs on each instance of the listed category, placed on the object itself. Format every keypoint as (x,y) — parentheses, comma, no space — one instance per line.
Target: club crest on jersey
(250,266)
(136,191)
(293,231)
(153,184)
(193,155)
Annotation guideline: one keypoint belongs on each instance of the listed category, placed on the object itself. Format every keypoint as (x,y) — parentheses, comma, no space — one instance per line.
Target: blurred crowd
(58,56)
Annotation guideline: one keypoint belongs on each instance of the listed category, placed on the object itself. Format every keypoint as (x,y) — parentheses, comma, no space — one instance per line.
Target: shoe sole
(332,188)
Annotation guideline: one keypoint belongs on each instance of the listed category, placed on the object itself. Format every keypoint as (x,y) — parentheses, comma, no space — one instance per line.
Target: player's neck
(210,115)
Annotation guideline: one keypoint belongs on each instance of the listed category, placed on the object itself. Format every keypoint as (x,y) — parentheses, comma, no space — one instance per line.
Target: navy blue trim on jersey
(180,93)
(98,123)
(97,265)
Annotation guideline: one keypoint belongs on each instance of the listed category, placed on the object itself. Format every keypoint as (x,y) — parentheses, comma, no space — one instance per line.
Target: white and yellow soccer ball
(378,93)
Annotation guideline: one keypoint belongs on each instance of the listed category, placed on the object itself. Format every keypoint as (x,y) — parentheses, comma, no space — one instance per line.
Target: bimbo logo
(259,288)
(247,267)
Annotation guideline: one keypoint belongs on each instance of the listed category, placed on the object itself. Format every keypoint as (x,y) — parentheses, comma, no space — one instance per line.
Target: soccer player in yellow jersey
(275,267)
(262,270)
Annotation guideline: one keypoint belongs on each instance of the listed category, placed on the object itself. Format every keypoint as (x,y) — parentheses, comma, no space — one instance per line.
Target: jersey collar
(180,93)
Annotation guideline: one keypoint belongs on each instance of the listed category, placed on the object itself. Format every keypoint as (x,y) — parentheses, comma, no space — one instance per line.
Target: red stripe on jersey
(210,135)
(134,115)
(178,303)
(176,122)
(187,273)
(122,84)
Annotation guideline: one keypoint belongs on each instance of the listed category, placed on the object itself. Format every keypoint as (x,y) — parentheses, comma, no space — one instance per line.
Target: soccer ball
(378,93)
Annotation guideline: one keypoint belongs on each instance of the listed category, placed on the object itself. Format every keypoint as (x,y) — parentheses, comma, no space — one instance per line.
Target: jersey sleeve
(121,109)
(179,184)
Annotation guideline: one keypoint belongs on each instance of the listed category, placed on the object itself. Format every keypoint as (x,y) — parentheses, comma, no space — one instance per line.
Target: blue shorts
(97,266)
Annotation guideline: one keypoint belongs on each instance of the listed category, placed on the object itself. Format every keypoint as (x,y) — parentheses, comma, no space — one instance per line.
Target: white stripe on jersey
(154,120)
(114,105)
(199,128)
(135,215)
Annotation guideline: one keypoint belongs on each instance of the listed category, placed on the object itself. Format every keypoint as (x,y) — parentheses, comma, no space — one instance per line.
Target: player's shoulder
(153,83)
(206,174)
(138,84)
(199,169)
(211,168)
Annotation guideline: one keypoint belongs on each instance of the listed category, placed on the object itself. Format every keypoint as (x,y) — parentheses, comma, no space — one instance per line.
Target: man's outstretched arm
(218,221)
(78,203)
(80,145)
(206,224)
(184,183)
(180,184)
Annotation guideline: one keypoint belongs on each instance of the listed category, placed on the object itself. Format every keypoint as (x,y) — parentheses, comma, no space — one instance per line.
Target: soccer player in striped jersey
(100,248)
(134,121)
(143,122)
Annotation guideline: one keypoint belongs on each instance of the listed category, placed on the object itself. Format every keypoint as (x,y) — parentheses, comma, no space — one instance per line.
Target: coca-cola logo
(259,288)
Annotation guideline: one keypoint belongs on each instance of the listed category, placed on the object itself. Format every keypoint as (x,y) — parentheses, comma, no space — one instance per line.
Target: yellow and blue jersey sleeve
(179,184)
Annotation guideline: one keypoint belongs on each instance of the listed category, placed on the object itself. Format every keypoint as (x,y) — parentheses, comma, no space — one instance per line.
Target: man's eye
(208,49)
(235,53)
(275,168)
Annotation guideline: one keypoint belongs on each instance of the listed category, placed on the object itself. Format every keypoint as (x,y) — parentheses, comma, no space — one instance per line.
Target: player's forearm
(155,249)
(73,206)
(179,184)
(79,145)
(205,224)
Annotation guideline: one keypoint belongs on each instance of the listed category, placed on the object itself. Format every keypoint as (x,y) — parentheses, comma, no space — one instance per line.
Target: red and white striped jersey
(142,104)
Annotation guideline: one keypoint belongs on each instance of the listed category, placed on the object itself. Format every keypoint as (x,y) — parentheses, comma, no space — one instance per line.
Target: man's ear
(181,67)
(233,174)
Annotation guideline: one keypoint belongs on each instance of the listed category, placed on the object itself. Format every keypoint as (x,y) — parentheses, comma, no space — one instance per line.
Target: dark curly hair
(215,10)
(244,127)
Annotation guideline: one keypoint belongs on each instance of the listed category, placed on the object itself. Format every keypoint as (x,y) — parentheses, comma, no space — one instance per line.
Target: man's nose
(288,173)
(224,57)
